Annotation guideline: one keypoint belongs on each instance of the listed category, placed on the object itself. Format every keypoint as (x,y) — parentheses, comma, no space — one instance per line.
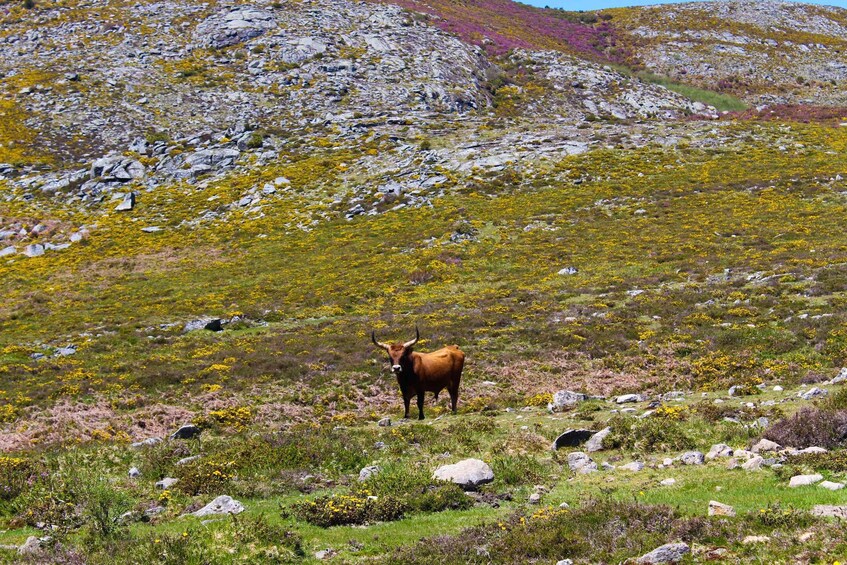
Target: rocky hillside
(763,51)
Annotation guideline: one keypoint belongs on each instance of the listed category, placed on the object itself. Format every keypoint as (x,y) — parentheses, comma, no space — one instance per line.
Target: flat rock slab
(595,442)
(804,480)
(720,509)
(221,505)
(572,438)
(829,511)
(468,474)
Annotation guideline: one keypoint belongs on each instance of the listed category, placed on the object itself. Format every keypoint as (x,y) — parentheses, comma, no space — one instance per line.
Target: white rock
(753,464)
(469,473)
(719,450)
(221,505)
(667,482)
(804,480)
(634,466)
(755,539)
(765,445)
(668,553)
(829,485)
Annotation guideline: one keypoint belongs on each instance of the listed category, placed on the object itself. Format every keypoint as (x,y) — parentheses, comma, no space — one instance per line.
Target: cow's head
(397,352)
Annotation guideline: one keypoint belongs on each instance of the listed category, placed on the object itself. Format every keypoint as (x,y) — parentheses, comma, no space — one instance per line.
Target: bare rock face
(468,474)
(236,26)
(719,509)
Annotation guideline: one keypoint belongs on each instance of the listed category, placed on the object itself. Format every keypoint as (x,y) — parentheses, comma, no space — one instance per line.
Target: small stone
(813,392)
(166,483)
(151,229)
(564,562)
(719,450)
(32,545)
(765,445)
(368,472)
(568,271)
(34,250)
(829,485)
(186,460)
(564,399)
(10,250)
(732,464)
(755,539)
(804,480)
(668,553)
(564,505)
(667,462)
(667,482)
(753,464)
(635,466)
(580,462)
(535,498)
(778,388)
(693,458)
(805,536)
(384,423)
(812,449)
(134,472)
(147,442)
(624,398)
(128,203)
(719,509)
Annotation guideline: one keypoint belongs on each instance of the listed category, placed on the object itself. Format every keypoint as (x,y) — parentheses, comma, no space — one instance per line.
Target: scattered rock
(719,450)
(765,445)
(468,474)
(829,511)
(134,472)
(221,505)
(753,464)
(564,399)
(804,480)
(128,203)
(572,438)
(634,466)
(813,392)
(667,482)
(755,539)
(384,423)
(624,398)
(693,458)
(829,485)
(187,431)
(34,250)
(580,462)
(368,472)
(595,442)
(147,442)
(211,324)
(568,271)
(668,553)
(535,498)
(719,509)
(186,460)
(166,483)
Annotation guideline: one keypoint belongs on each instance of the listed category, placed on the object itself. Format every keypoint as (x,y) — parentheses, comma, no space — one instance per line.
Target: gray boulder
(580,462)
(221,505)
(564,399)
(829,511)
(765,445)
(468,474)
(804,480)
(128,203)
(719,450)
(166,483)
(595,442)
(34,250)
(625,398)
(368,472)
(668,553)
(693,458)
(719,509)
(813,392)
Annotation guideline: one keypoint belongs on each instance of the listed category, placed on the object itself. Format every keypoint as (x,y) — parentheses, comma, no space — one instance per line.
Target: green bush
(517,469)
(416,487)
(648,434)
(338,510)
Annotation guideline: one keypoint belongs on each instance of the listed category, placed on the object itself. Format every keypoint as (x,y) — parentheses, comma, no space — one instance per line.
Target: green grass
(721,102)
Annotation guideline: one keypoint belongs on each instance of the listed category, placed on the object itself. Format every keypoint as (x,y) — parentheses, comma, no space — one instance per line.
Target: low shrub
(811,426)
(834,461)
(648,434)
(416,488)
(339,510)
(517,469)
(205,476)
(17,474)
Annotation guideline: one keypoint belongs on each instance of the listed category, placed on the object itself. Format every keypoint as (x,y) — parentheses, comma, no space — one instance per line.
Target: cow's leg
(420,405)
(454,397)
(407,399)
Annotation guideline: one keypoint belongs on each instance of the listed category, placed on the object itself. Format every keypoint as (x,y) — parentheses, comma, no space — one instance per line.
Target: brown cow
(418,373)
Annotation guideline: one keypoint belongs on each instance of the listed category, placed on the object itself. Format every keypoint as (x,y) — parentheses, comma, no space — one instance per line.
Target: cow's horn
(378,343)
(414,341)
